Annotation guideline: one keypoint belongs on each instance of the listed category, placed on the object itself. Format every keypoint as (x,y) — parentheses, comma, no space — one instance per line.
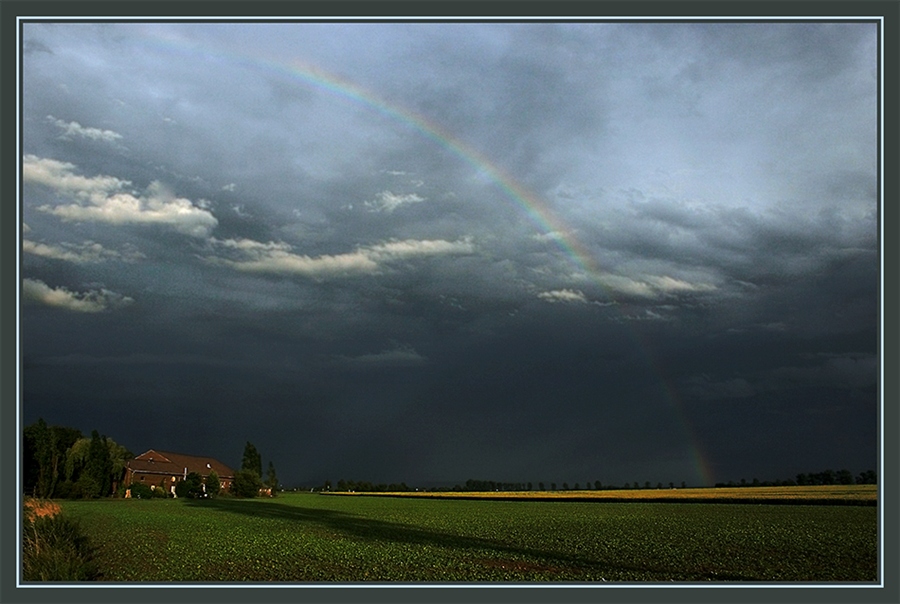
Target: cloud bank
(91,301)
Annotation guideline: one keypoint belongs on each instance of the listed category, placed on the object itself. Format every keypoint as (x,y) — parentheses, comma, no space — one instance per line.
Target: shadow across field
(488,550)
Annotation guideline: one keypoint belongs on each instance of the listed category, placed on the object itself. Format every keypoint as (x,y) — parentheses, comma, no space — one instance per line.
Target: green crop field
(314,538)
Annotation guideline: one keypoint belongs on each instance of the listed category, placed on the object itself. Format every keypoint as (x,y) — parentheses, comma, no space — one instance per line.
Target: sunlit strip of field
(823,494)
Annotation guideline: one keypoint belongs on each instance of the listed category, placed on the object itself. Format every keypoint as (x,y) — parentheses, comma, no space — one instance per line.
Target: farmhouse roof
(165,462)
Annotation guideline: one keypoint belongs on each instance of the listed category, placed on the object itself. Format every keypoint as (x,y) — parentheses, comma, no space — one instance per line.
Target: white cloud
(388,202)
(627,286)
(418,247)
(102,199)
(58,176)
(652,286)
(229,187)
(667,285)
(89,301)
(278,257)
(647,315)
(563,295)
(82,253)
(549,236)
(70,129)
(398,356)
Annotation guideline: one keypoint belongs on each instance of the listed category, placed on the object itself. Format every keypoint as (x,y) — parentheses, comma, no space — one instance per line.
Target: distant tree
(78,460)
(659,485)
(867,477)
(118,457)
(671,485)
(845,477)
(636,485)
(252,460)
(565,486)
(598,485)
(272,479)
(647,484)
(38,446)
(683,484)
(44,444)
(44,455)
(97,472)
(540,486)
(213,484)
(576,487)
(552,486)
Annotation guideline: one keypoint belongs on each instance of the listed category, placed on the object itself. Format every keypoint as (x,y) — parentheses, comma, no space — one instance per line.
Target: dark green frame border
(10,230)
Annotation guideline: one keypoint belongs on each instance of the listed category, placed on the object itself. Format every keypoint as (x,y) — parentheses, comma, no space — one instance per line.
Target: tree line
(826,477)
(363,486)
(596,485)
(59,462)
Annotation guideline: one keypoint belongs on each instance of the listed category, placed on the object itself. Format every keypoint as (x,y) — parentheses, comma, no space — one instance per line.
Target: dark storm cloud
(304,226)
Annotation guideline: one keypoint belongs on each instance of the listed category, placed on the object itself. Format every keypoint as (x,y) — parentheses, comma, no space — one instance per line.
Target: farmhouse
(162,469)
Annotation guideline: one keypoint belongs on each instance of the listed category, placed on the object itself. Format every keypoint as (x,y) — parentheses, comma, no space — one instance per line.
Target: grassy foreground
(313,538)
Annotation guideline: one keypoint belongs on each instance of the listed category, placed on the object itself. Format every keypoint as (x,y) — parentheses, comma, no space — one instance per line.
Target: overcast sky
(429,252)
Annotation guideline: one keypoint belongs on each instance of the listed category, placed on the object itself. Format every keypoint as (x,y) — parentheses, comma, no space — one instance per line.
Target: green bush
(55,549)
(140,491)
(213,485)
(246,484)
(191,486)
(65,490)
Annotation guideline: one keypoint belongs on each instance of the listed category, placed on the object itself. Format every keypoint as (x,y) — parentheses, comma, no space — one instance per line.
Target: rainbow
(534,208)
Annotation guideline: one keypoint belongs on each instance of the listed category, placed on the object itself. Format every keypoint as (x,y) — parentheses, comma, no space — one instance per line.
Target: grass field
(314,538)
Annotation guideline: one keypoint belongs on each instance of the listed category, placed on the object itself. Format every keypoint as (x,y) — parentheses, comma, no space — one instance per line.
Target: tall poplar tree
(98,469)
(252,460)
